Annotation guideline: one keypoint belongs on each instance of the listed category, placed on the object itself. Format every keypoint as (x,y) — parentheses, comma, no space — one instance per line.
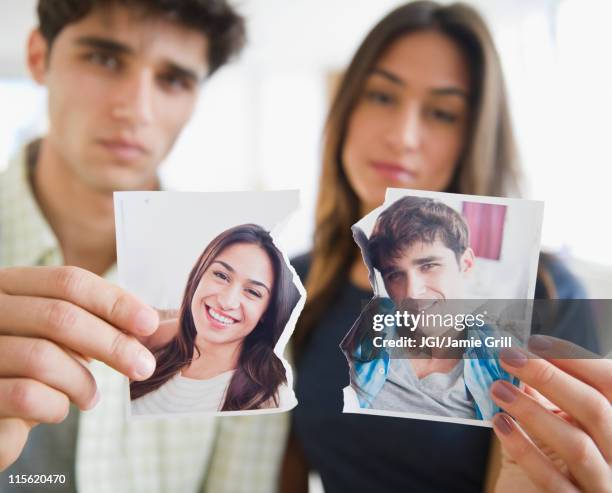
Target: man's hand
(50,319)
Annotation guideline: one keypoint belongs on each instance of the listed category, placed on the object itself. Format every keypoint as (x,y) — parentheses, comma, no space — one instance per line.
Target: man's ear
(37,56)
(466,262)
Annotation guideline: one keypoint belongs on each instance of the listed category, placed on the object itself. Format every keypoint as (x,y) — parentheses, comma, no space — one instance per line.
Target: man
(421,249)
(122,79)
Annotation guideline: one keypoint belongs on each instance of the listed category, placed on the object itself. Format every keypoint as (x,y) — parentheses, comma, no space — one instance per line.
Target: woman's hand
(560,439)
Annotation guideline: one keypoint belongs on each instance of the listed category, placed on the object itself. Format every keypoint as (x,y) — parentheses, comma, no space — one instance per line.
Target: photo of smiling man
(423,347)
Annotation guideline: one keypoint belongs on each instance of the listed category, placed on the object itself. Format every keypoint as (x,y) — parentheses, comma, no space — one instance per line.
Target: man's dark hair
(216,19)
(416,219)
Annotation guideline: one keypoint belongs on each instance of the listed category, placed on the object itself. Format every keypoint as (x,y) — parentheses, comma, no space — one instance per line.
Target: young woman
(238,299)
(422,105)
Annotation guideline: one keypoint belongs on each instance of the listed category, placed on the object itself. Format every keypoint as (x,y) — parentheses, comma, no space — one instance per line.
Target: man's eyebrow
(252,281)
(426,260)
(184,71)
(116,47)
(104,44)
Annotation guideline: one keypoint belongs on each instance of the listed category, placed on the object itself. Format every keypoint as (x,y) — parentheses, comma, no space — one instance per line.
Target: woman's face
(409,127)
(233,294)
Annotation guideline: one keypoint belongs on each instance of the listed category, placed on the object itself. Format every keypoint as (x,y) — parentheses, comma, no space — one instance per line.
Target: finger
(13,437)
(576,361)
(575,447)
(530,391)
(77,329)
(578,399)
(31,400)
(85,289)
(45,362)
(536,465)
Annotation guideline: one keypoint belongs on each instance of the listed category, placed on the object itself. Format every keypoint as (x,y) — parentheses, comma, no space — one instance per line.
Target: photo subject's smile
(218,318)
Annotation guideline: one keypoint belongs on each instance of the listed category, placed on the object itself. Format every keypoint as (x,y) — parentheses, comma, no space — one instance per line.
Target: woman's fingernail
(504,391)
(539,343)
(513,357)
(503,423)
(145,364)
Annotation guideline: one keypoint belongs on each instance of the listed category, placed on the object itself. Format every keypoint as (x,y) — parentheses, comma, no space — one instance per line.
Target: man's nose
(406,128)
(415,286)
(134,98)
(229,298)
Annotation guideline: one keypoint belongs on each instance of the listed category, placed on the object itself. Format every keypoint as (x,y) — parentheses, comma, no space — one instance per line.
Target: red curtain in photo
(486,223)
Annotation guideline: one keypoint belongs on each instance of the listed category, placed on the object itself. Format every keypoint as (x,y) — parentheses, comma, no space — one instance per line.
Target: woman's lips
(394,172)
(217,318)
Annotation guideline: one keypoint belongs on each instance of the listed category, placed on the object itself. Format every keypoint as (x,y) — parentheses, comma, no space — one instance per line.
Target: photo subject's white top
(184,395)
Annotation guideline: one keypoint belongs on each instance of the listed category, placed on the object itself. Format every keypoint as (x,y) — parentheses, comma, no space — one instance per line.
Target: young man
(421,249)
(123,79)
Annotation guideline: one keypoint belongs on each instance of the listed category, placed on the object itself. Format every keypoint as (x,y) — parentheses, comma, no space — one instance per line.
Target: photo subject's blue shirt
(481,368)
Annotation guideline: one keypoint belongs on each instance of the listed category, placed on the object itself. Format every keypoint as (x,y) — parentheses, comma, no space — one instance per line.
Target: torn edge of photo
(228,300)
(454,279)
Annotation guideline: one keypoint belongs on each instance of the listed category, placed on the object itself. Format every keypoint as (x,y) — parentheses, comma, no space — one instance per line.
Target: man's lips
(393,171)
(124,149)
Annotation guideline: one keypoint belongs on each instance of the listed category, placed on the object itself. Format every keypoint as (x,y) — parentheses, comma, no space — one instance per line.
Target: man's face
(427,271)
(121,87)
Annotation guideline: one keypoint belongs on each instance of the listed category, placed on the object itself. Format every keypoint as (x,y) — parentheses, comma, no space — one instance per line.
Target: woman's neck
(212,360)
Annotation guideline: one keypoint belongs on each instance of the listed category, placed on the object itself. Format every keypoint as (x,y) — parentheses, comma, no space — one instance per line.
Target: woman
(422,105)
(238,299)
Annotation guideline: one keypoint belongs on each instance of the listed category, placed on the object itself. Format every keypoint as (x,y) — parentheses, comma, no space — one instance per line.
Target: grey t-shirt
(437,394)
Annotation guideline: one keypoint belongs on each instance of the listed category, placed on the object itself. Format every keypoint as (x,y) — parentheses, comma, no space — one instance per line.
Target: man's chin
(121,181)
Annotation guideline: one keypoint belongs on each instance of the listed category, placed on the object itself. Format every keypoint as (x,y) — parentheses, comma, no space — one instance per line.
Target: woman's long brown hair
(488,165)
(260,372)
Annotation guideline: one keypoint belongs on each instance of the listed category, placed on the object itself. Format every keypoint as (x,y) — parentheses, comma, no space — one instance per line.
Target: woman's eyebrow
(231,269)
(390,76)
(437,91)
(450,91)
(258,283)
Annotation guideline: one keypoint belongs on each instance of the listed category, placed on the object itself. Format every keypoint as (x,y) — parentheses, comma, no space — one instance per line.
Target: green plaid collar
(25,236)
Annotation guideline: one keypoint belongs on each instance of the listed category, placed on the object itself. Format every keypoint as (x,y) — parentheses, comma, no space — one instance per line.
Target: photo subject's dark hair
(223,27)
(410,220)
(260,372)
(488,164)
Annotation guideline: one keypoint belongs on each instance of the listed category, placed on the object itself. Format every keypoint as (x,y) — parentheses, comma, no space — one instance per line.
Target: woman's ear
(37,56)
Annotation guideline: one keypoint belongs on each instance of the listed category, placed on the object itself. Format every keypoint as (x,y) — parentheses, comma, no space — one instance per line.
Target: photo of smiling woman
(220,354)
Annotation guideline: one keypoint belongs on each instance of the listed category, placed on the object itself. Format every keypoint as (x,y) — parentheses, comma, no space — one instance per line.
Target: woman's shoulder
(555,280)
(301,264)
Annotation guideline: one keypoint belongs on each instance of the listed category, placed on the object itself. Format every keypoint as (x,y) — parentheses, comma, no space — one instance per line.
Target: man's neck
(82,218)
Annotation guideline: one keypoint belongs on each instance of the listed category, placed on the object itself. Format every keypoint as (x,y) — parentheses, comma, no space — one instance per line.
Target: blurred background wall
(259,121)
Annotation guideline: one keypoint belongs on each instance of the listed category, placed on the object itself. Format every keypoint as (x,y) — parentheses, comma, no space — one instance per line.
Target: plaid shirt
(114,455)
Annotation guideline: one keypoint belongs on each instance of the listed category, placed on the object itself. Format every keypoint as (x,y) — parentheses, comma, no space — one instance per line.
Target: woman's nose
(406,129)
(229,298)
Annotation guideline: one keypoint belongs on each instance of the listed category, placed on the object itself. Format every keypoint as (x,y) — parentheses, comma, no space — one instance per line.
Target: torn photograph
(227,297)
(453,279)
